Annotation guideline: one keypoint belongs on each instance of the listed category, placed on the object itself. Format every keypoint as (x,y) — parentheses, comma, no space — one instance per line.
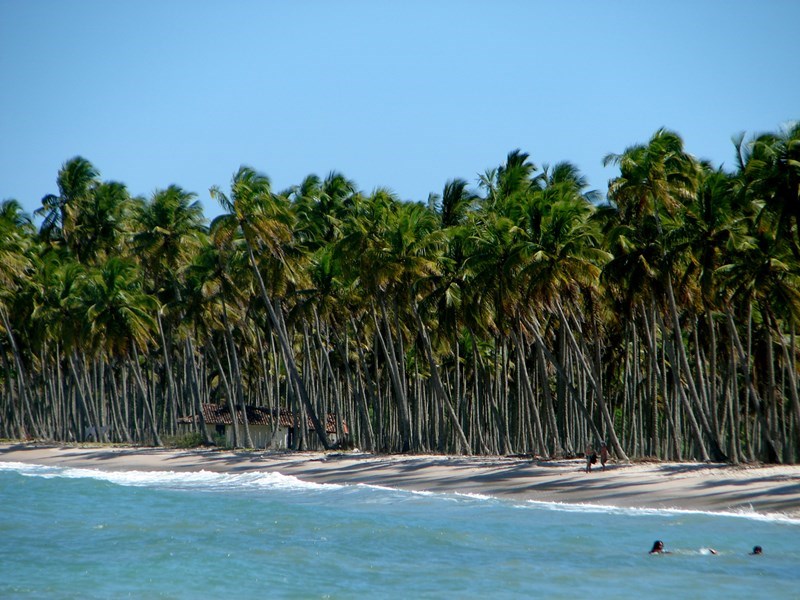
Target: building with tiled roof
(269,428)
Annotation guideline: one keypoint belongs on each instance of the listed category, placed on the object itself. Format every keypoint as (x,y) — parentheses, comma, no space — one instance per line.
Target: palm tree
(167,233)
(321,205)
(119,313)
(76,181)
(495,323)
(764,275)
(418,246)
(368,253)
(564,266)
(510,183)
(16,237)
(770,165)
(98,226)
(265,223)
(655,180)
(119,320)
(456,202)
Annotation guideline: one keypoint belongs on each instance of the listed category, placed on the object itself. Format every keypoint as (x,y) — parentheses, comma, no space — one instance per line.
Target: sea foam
(195,480)
(214,481)
(634,511)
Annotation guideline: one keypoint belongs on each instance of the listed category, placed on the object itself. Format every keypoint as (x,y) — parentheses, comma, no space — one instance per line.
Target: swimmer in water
(658,548)
(756,550)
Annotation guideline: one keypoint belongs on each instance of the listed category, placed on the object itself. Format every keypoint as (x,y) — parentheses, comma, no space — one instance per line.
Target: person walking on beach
(591,458)
(603,455)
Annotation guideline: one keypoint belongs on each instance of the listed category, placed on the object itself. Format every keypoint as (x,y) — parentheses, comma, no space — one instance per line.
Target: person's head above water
(658,547)
(756,550)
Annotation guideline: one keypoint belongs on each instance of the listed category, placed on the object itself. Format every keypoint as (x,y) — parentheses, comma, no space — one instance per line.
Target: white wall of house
(261,436)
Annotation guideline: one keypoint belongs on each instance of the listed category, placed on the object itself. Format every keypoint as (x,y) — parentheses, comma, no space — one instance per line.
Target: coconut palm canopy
(521,317)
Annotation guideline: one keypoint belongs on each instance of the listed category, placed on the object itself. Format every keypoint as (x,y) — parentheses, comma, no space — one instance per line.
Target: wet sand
(696,486)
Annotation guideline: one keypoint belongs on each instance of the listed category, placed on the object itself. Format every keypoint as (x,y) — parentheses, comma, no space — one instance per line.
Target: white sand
(711,487)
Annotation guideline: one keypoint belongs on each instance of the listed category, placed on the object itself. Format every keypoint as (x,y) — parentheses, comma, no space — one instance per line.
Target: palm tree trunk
(236,377)
(229,394)
(544,385)
(593,376)
(763,416)
(526,382)
(195,388)
(145,400)
(86,406)
(391,360)
(437,382)
(329,368)
(368,388)
(712,369)
(172,389)
(788,362)
(716,451)
(286,349)
(22,387)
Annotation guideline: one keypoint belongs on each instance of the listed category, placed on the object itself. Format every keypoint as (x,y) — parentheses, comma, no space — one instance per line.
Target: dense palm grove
(525,317)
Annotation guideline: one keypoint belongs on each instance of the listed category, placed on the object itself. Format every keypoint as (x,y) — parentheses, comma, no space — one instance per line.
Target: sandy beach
(696,486)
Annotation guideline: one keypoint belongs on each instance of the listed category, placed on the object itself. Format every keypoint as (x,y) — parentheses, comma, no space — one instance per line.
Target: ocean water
(71,533)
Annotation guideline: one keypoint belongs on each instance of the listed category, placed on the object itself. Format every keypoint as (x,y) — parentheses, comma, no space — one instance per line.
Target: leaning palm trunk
(680,390)
(236,380)
(195,388)
(766,427)
(772,325)
(594,380)
(121,402)
(660,374)
(172,390)
(288,355)
(437,382)
(790,371)
(573,392)
(555,442)
(145,400)
(229,395)
(86,405)
(337,397)
(367,385)
(387,346)
(716,450)
(539,440)
(21,379)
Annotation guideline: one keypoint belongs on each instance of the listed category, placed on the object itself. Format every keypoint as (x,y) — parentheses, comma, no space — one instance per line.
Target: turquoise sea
(70,533)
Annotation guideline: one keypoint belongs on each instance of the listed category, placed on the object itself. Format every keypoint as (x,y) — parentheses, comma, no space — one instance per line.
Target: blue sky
(405,95)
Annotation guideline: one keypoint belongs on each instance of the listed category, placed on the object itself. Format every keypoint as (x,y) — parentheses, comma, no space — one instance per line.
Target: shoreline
(766,490)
